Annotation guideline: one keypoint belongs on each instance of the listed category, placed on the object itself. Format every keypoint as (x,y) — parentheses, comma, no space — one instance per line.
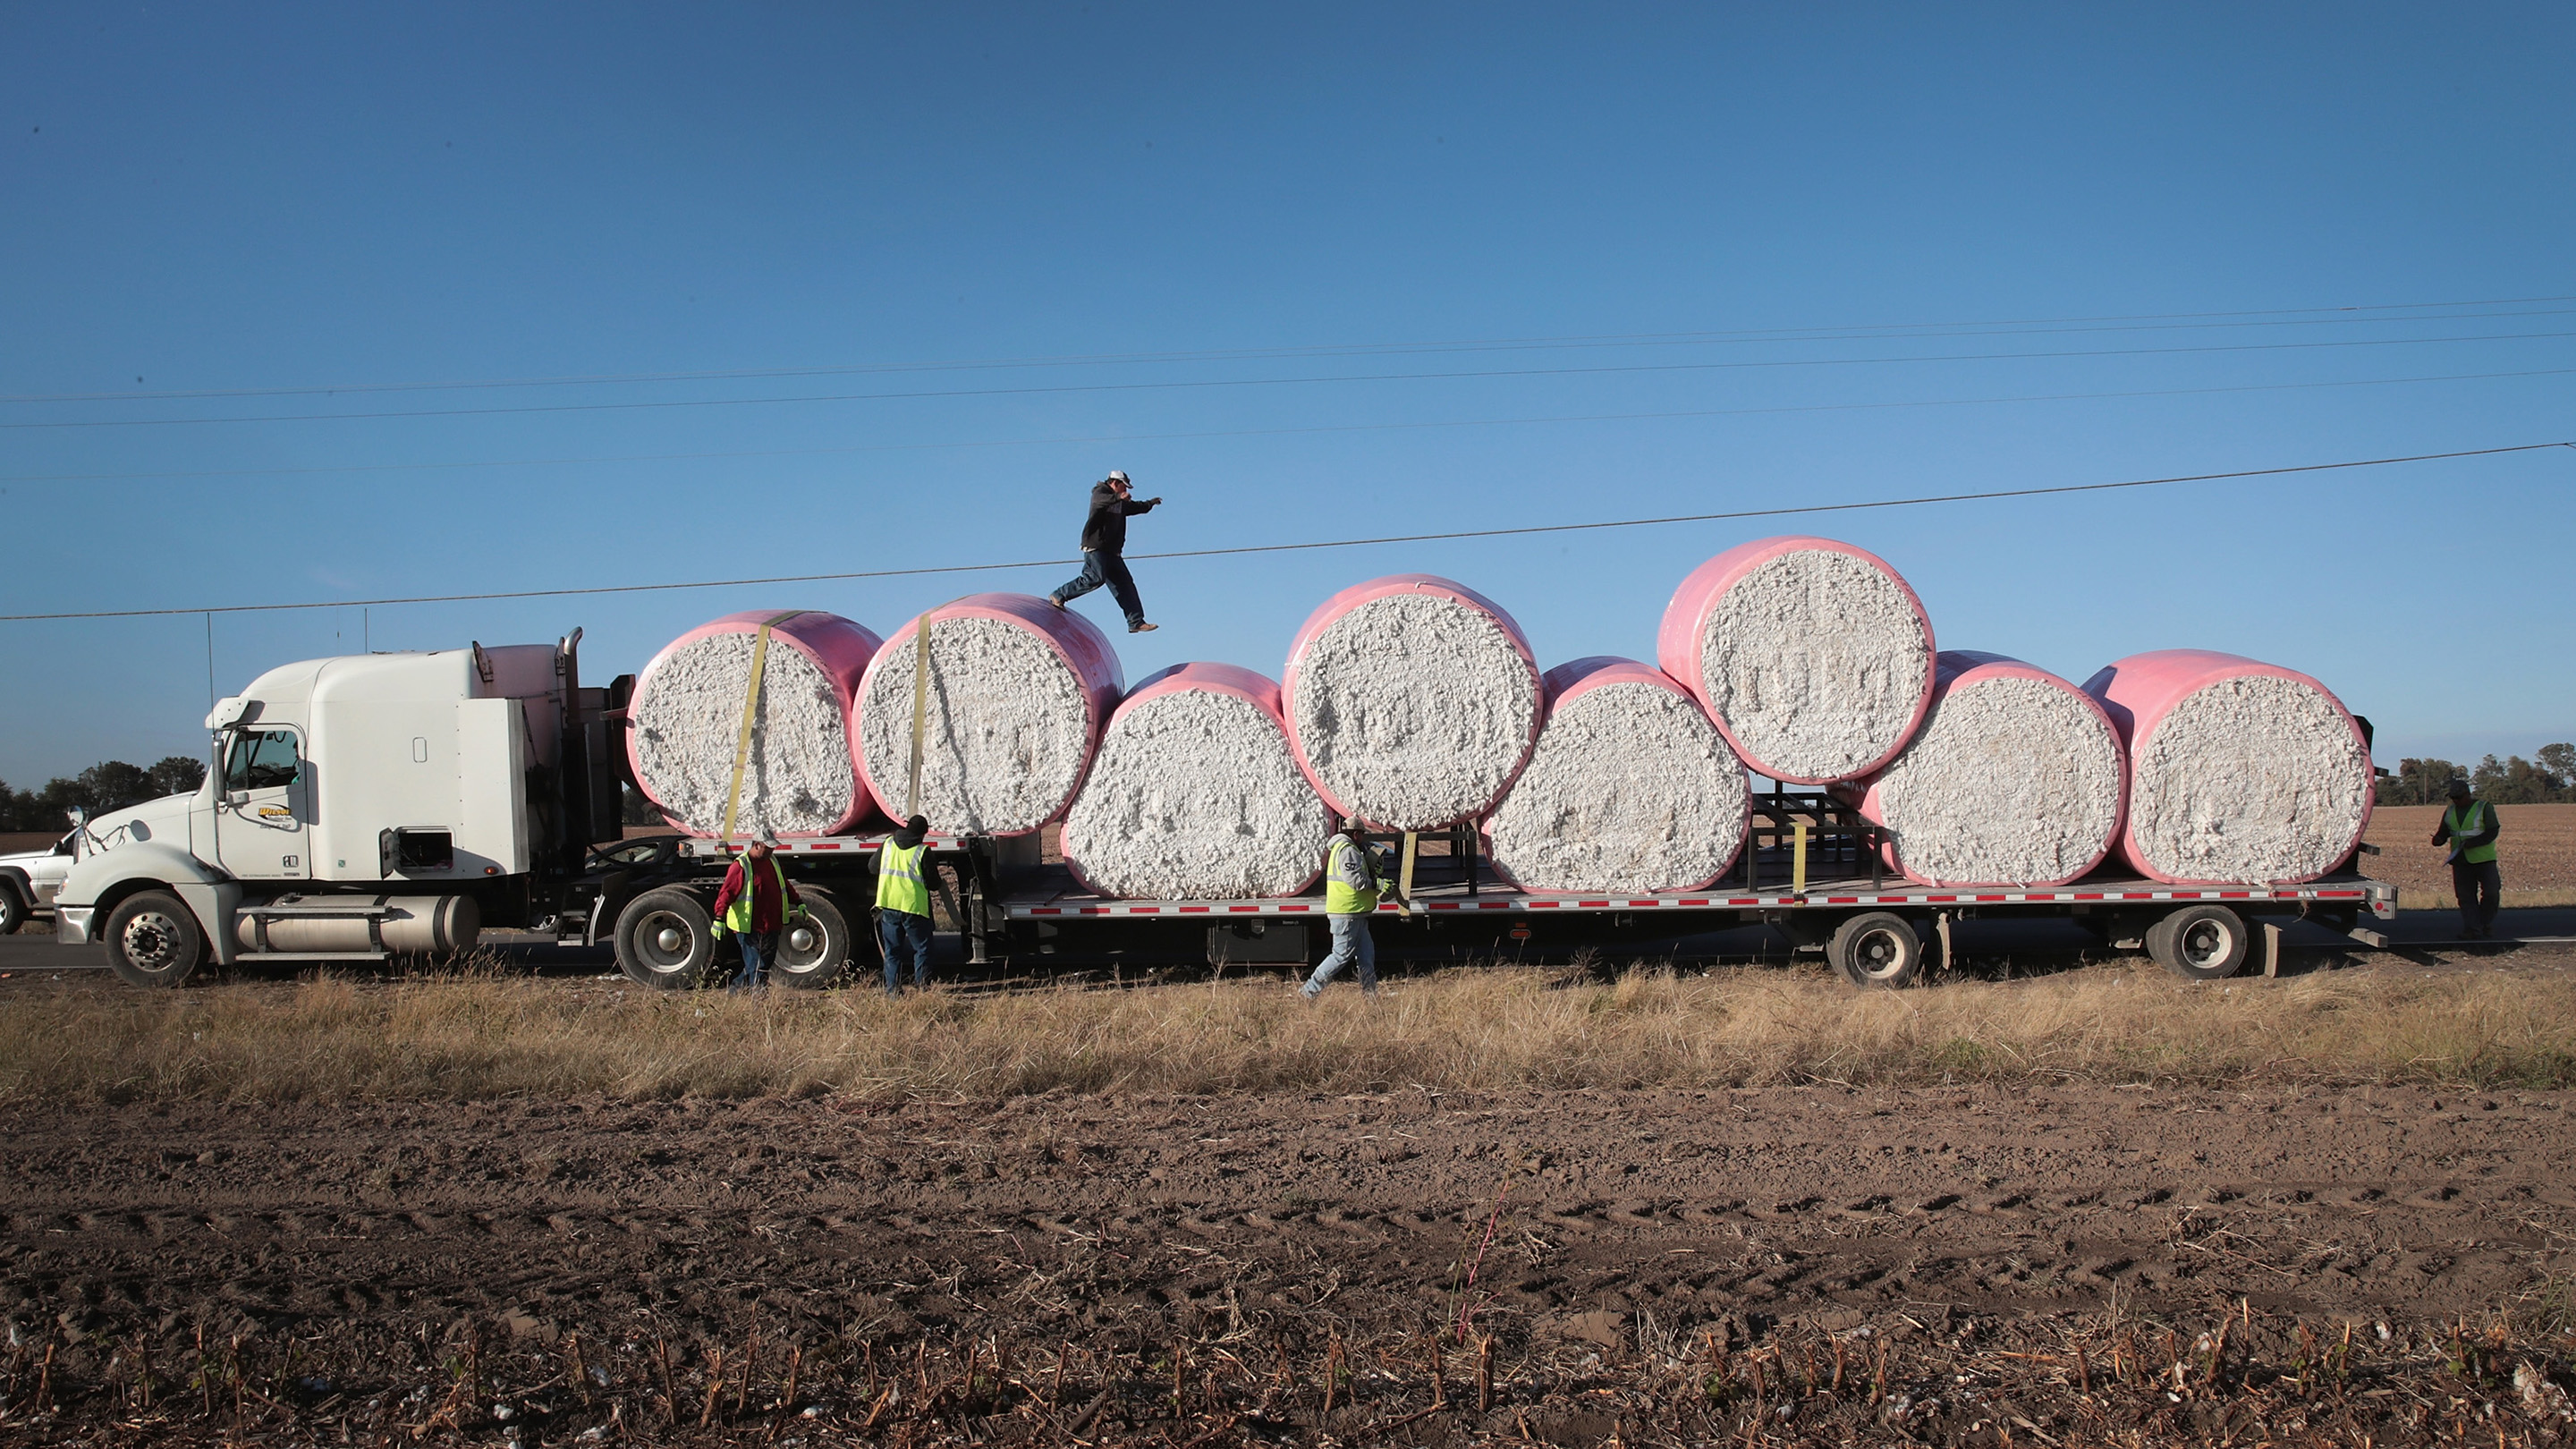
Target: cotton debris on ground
(1018,692)
(1194,795)
(1814,656)
(2238,770)
(686,720)
(2015,778)
(1411,701)
(1630,789)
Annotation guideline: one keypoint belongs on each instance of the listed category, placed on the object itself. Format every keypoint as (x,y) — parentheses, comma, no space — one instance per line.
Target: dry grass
(1498,1029)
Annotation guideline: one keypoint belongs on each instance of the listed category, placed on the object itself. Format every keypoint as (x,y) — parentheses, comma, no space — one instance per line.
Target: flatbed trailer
(1006,903)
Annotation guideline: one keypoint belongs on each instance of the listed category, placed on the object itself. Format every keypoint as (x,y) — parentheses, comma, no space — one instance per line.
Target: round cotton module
(1411,701)
(2015,778)
(1194,795)
(685,724)
(1814,656)
(1018,692)
(2239,772)
(1630,789)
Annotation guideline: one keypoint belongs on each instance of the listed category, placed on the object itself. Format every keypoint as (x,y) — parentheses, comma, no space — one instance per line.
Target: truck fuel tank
(361,925)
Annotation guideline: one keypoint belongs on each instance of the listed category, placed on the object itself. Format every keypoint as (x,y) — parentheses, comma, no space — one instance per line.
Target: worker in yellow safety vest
(1351,890)
(2469,826)
(903,905)
(754,904)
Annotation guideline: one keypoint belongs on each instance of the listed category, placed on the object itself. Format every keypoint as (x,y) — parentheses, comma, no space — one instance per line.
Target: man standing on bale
(1351,890)
(754,903)
(903,906)
(1104,544)
(2470,827)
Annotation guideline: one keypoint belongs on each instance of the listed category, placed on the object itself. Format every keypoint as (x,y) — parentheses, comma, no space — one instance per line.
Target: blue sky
(1221,248)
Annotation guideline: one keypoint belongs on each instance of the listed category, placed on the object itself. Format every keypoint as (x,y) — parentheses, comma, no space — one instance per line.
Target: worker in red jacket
(756,912)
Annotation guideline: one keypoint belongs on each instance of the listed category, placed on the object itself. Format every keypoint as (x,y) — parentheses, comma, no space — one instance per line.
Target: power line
(2287,316)
(854,448)
(1303,547)
(1245,382)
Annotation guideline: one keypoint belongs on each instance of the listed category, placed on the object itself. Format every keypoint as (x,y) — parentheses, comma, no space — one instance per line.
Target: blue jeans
(756,953)
(1105,568)
(1350,941)
(903,937)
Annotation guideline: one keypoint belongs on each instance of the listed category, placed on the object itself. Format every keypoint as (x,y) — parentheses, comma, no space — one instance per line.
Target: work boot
(1056,602)
(1140,628)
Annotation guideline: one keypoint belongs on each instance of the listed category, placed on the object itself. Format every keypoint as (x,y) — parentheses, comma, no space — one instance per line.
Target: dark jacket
(1106,528)
(2442,830)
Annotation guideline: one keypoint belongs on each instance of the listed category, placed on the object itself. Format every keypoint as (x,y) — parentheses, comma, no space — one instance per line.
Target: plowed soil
(381,1264)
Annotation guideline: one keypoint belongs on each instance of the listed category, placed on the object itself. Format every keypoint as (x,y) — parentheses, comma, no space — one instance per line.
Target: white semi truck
(359,807)
(384,805)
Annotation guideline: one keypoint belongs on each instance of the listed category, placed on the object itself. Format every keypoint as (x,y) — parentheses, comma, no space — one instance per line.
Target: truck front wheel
(666,939)
(13,911)
(153,939)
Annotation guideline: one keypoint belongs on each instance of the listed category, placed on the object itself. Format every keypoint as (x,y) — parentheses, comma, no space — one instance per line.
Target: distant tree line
(108,785)
(2550,778)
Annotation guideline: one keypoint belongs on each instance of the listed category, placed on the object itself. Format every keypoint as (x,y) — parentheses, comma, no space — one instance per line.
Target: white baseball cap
(1117,475)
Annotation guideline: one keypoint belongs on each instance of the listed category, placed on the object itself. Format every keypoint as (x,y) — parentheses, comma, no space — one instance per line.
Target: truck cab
(358,807)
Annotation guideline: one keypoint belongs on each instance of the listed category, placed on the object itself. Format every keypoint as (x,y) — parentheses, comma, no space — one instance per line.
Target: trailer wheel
(1877,949)
(2199,943)
(153,939)
(13,911)
(813,951)
(666,939)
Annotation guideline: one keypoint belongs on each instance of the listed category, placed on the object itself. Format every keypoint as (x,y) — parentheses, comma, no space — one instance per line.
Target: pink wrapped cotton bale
(686,718)
(1194,795)
(1019,690)
(1630,789)
(2239,772)
(2016,778)
(1813,656)
(1411,701)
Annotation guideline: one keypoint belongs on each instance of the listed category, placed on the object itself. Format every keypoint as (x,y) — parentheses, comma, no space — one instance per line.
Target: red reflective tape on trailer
(1988,898)
(1592,905)
(1144,910)
(1940,898)
(2340,895)
(1747,901)
(1195,910)
(2086,896)
(1543,905)
(2233,895)
(1842,900)
(1046,910)
(1690,903)
(1245,910)
(1295,910)
(1644,905)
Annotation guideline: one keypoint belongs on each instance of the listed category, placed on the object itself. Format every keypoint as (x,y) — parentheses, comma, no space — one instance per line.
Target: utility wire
(1304,547)
(2282,317)
(1245,382)
(1942,402)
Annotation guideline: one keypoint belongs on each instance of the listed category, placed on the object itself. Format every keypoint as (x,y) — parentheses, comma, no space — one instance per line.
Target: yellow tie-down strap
(750,711)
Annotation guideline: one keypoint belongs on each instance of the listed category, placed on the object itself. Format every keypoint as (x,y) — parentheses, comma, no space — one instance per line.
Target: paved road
(2413,931)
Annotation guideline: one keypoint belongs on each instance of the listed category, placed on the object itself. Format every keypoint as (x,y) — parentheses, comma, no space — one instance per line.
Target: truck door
(264,817)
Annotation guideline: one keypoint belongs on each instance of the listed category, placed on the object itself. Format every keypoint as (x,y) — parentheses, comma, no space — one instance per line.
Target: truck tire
(153,939)
(13,907)
(666,940)
(813,951)
(1877,949)
(2202,942)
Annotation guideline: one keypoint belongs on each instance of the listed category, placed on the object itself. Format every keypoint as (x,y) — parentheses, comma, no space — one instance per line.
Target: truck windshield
(260,760)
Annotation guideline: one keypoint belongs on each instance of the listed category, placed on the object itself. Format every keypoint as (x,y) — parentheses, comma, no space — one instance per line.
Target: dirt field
(2010,1262)
(2536,853)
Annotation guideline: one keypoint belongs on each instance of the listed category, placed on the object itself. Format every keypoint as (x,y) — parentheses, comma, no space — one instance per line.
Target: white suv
(29,882)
